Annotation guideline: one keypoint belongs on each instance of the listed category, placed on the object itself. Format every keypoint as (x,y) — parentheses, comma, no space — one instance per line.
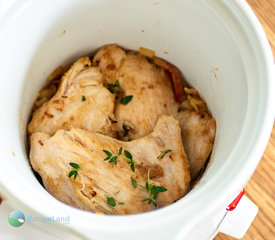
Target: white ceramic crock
(220,48)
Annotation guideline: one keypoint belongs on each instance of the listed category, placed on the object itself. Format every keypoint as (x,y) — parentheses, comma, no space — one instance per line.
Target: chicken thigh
(198,134)
(98,180)
(149,85)
(153,95)
(81,101)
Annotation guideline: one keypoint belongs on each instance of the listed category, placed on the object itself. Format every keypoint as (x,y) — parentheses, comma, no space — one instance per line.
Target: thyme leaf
(126,99)
(114,88)
(162,154)
(134,182)
(74,172)
(83,98)
(111,201)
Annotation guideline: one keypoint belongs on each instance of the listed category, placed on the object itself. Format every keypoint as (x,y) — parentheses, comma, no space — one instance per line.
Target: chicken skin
(98,180)
(81,101)
(149,85)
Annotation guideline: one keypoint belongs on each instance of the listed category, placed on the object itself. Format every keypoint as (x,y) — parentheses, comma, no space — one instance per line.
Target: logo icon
(16,218)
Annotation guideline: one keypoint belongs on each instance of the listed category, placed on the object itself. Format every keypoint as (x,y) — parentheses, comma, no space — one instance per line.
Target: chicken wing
(98,179)
(81,101)
(149,85)
(198,134)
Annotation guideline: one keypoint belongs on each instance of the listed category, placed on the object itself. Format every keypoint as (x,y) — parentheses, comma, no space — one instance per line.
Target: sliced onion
(147,52)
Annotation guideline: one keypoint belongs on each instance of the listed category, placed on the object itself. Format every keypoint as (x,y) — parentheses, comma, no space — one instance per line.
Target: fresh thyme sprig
(113,158)
(152,190)
(162,154)
(112,202)
(74,172)
(114,88)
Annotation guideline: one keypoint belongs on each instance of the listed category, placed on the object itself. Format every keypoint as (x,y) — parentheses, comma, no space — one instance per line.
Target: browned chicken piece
(175,76)
(109,58)
(153,95)
(149,85)
(198,134)
(98,179)
(81,101)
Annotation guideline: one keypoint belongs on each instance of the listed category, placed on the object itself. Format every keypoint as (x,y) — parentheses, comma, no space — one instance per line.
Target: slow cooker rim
(267,122)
